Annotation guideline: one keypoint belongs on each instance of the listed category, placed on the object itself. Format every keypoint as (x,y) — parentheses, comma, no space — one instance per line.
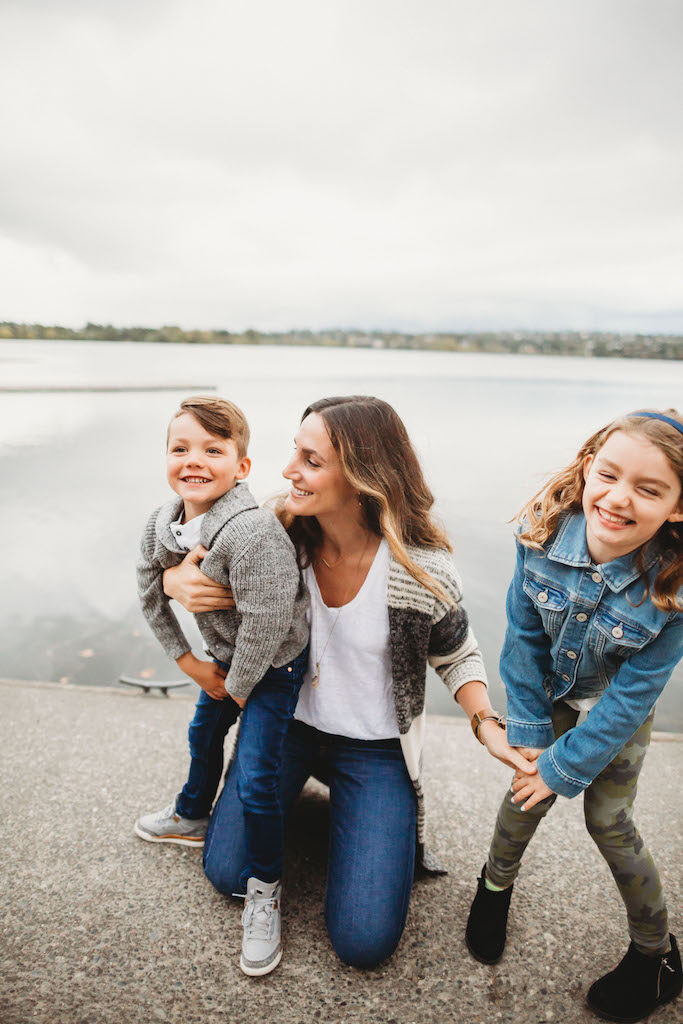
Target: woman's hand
(495,741)
(531,753)
(530,788)
(188,585)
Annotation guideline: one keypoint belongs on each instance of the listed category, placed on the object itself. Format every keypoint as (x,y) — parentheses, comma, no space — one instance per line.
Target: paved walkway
(98,926)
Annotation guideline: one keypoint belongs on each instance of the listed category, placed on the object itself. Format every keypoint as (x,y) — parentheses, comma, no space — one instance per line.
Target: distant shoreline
(597,344)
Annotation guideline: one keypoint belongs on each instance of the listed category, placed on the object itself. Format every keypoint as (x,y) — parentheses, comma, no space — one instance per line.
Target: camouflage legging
(608,804)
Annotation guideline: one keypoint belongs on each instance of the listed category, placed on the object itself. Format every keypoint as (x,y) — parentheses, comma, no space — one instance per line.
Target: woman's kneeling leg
(225,846)
(372,853)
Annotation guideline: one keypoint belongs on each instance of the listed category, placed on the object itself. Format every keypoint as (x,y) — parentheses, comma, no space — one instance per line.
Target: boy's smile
(201,467)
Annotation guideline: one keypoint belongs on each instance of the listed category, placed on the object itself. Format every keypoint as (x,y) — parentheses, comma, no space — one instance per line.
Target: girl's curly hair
(564,493)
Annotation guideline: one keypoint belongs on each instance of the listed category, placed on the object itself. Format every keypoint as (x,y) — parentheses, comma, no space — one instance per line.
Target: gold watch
(484,716)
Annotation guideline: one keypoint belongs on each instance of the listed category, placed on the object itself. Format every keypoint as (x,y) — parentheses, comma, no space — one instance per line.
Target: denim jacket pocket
(613,640)
(550,603)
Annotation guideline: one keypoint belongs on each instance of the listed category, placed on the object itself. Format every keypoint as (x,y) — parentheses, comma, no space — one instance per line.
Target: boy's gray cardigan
(248,550)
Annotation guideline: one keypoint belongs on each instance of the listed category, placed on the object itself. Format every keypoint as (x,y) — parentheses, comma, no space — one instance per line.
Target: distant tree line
(565,343)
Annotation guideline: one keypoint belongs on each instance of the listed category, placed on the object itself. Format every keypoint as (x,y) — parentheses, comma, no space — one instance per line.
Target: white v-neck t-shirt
(354,696)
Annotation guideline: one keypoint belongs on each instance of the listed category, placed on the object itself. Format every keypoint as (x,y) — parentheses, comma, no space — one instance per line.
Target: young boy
(259,648)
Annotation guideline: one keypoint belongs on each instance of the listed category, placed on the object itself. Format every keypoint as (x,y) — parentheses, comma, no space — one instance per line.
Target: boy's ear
(675,517)
(587,463)
(243,469)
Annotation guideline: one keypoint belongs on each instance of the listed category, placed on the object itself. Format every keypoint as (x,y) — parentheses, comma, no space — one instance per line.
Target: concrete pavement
(98,926)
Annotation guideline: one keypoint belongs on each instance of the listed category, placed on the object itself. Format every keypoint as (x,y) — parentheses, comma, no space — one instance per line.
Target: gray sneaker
(168,827)
(261,947)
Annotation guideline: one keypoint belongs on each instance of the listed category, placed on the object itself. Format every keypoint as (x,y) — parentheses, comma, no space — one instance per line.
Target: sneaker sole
(257,972)
(176,840)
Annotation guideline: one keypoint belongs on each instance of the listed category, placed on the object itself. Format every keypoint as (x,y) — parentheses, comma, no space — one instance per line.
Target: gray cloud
(420,165)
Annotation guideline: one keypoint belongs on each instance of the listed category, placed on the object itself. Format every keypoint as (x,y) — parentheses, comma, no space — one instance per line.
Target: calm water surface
(81,471)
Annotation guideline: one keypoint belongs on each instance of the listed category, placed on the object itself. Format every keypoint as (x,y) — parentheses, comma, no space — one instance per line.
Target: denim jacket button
(566,677)
(581,617)
(543,597)
(596,577)
(617,632)
(571,655)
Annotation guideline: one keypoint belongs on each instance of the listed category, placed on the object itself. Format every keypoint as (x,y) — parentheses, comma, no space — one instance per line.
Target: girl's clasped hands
(530,788)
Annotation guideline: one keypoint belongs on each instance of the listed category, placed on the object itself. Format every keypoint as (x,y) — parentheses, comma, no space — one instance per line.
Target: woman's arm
(188,585)
(473,698)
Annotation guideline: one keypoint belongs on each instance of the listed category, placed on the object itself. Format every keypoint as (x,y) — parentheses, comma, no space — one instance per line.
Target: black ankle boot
(487,923)
(637,985)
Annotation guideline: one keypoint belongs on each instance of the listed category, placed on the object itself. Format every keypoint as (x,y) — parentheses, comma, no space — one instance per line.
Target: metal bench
(150,685)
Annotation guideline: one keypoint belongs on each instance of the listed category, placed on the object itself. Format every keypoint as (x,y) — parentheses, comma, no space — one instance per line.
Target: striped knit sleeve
(453,649)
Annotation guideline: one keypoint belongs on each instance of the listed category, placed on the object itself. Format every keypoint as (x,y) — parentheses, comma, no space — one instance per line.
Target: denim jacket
(577,630)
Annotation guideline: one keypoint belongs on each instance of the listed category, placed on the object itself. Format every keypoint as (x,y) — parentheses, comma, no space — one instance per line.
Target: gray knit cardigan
(424,630)
(249,551)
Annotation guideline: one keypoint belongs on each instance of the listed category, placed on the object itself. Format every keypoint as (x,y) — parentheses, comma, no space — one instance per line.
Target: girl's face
(630,491)
(319,486)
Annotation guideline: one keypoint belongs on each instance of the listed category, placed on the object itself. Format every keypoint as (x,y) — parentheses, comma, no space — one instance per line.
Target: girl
(385,599)
(594,625)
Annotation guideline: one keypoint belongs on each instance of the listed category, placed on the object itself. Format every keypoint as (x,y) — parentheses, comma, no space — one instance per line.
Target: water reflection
(82,471)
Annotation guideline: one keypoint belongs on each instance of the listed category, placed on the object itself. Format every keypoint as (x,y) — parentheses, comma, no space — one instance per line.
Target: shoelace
(167,812)
(257,917)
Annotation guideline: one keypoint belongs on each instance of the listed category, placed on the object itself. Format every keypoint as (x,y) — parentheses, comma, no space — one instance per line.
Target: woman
(385,599)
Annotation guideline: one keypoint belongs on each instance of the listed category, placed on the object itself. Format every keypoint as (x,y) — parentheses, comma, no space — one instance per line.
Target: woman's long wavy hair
(564,493)
(379,461)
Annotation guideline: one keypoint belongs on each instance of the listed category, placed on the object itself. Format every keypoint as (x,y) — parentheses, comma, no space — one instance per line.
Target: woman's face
(319,487)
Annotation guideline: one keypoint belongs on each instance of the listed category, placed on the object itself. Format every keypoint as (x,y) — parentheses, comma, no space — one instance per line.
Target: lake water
(82,469)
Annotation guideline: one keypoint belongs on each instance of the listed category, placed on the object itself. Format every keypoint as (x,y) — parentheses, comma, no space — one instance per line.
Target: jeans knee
(258,792)
(196,736)
(362,950)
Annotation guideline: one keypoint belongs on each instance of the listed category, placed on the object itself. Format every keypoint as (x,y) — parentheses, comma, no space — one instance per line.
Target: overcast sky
(431,165)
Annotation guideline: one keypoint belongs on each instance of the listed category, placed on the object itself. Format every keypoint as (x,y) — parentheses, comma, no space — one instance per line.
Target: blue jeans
(264,723)
(372,836)
(206,735)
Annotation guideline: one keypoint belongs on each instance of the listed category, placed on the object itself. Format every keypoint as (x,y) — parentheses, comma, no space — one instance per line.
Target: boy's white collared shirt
(186,535)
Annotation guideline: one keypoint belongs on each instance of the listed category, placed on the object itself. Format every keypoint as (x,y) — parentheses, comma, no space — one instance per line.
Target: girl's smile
(630,490)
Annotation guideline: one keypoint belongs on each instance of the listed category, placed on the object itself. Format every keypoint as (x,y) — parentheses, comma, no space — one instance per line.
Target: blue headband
(658,416)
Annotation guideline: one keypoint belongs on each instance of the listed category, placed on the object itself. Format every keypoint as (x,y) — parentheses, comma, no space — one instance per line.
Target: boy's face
(201,467)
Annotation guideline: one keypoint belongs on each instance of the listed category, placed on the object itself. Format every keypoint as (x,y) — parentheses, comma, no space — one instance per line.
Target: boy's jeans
(259,755)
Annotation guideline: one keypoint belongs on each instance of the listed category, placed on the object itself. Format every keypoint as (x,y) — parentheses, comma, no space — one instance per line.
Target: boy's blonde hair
(219,417)
(564,493)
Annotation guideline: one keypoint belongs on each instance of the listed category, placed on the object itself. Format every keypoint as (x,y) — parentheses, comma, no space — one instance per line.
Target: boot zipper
(664,963)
